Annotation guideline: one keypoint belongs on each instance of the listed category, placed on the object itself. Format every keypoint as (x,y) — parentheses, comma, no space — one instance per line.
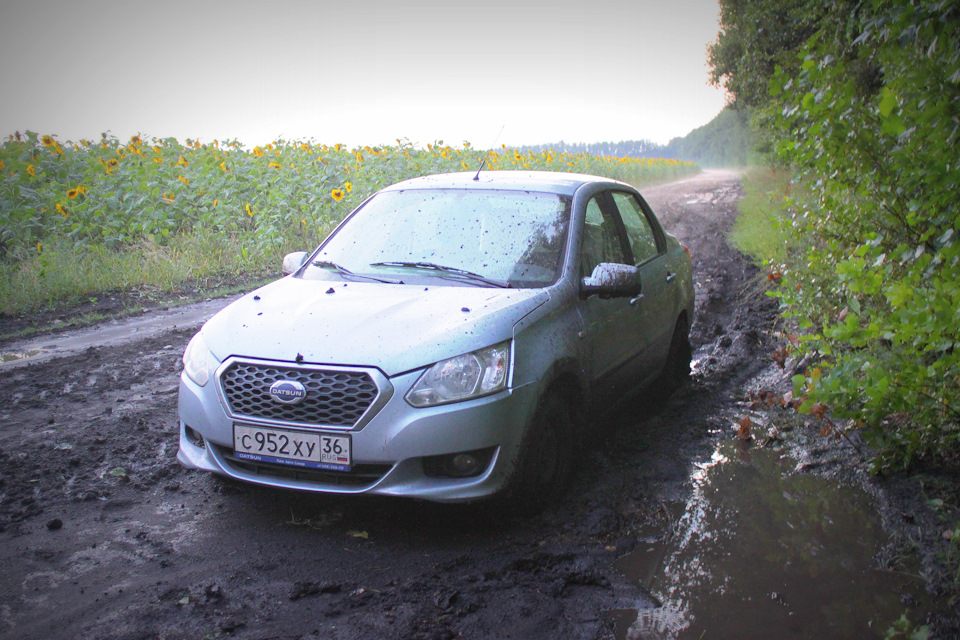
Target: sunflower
(348,187)
(61,210)
(113,162)
(223,165)
(257,151)
(31,170)
(275,166)
(337,194)
(72,193)
(135,140)
(47,141)
(185,181)
(249,212)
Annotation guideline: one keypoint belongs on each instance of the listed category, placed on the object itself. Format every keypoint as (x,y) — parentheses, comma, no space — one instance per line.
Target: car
(445,342)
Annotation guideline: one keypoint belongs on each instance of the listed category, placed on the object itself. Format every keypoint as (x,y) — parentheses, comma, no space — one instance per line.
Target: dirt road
(105,536)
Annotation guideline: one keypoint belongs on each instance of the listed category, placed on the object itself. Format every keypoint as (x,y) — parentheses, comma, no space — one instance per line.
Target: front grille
(334,398)
(361,475)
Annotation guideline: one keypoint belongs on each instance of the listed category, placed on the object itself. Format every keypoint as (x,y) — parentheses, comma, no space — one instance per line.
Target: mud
(105,536)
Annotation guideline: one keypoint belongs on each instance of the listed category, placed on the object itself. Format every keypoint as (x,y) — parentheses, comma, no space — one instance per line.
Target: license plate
(297,448)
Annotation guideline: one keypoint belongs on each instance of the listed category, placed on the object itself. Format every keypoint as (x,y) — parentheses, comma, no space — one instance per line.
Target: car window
(643,240)
(600,241)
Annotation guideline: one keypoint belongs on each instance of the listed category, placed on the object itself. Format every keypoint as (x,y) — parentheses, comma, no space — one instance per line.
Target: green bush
(868,113)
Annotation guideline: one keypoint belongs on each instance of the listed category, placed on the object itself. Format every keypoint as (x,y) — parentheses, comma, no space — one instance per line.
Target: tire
(676,371)
(545,460)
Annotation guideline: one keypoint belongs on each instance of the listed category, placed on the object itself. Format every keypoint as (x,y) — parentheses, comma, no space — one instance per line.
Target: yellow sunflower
(337,194)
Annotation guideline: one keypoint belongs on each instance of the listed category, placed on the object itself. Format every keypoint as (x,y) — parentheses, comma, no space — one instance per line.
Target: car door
(655,308)
(610,336)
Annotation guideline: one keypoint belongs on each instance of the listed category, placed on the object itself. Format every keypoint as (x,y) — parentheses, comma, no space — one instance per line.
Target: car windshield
(477,237)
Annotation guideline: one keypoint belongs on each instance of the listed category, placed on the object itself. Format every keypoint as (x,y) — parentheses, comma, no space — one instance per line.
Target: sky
(358,72)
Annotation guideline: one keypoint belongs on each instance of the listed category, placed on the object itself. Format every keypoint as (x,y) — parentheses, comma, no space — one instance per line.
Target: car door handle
(671,276)
(635,301)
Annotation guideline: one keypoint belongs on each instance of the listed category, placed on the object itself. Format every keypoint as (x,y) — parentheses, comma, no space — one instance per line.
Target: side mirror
(293,261)
(612,280)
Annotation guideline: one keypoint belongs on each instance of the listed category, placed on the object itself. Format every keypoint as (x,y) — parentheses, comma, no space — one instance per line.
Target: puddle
(759,551)
(30,353)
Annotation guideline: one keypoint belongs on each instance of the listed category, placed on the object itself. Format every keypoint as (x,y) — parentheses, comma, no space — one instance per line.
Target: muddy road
(103,535)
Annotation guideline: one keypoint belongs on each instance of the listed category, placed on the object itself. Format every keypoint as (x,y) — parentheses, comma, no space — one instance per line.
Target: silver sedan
(445,342)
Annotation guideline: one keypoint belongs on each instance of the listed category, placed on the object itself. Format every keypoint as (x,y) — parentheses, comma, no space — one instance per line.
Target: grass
(60,277)
(757,231)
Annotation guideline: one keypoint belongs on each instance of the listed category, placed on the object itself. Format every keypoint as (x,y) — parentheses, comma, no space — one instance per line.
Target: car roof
(549,181)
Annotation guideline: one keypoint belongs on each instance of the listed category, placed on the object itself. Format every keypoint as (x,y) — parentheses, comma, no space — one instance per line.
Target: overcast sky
(358,71)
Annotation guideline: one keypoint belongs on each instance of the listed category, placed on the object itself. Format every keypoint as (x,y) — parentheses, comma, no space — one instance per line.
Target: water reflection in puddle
(24,355)
(759,551)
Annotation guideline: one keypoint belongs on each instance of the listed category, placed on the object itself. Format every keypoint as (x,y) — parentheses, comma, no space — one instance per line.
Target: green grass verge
(757,231)
(60,277)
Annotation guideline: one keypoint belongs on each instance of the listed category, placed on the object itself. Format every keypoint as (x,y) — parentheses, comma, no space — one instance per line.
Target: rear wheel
(676,371)
(545,460)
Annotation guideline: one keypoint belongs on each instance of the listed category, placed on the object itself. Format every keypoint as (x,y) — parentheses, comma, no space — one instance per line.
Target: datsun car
(445,342)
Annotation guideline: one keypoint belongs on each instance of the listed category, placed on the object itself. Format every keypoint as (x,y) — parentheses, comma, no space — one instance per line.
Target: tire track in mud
(105,536)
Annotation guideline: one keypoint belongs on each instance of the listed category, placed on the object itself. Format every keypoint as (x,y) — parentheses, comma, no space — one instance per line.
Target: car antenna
(484,162)
(482,165)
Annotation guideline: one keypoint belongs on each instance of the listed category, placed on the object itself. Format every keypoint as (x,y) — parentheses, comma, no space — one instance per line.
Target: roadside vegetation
(859,103)
(80,219)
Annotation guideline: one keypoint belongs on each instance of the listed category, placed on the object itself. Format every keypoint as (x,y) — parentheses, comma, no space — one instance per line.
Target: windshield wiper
(333,266)
(454,271)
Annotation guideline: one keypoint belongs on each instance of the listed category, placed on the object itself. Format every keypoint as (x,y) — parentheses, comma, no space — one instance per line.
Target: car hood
(395,328)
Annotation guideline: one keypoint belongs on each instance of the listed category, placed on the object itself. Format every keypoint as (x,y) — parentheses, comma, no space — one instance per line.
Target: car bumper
(388,449)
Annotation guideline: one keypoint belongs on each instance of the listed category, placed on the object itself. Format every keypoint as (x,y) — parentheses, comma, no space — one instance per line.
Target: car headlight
(198,362)
(464,377)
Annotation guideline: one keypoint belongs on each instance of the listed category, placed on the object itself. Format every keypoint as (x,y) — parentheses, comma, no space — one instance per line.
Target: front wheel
(545,460)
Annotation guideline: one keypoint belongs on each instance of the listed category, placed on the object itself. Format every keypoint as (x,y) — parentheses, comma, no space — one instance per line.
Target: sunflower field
(84,204)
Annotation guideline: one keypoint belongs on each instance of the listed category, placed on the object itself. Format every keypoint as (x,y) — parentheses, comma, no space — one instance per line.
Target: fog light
(193,437)
(465,464)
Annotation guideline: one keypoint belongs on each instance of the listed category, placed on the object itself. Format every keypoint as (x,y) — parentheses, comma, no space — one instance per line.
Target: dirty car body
(443,342)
